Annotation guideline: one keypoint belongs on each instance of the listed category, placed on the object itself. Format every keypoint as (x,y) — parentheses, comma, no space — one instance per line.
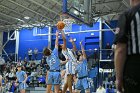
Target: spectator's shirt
(53,60)
(2,61)
(29,52)
(20,76)
(11,74)
(101,90)
(36,51)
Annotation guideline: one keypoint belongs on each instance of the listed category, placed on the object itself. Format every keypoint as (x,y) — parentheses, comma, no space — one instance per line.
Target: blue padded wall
(108,37)
(90,42)
(27,40)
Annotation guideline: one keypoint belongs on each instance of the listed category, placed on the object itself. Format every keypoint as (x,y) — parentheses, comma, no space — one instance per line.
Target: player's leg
(48,90)
(70,81)
(57,80)
(49,82)
(85,85)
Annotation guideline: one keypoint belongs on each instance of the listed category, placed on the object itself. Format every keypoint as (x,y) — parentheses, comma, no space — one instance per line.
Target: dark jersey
(128,30)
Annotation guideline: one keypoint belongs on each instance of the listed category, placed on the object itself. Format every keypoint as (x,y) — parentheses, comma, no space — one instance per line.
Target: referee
(127,52)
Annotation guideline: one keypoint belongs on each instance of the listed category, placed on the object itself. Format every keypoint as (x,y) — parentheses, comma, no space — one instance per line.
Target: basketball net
(68,22)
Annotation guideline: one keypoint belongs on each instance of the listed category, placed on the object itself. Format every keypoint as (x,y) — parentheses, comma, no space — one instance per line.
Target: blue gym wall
(27,40)
(108,36)
(90,42)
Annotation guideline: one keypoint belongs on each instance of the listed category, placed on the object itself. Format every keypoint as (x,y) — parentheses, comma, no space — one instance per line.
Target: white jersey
(101,90)
(36,51)
(11,75)
(70,65)
(2,61)
(29,52)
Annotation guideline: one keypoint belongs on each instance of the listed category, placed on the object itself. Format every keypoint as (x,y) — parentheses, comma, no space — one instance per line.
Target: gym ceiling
(24,13)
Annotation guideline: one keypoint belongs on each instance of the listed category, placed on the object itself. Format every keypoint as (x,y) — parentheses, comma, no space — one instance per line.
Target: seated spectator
(101,89)
(35,53)
(11,75)
(39,68)
(33,66)
(0,83)
(34,73)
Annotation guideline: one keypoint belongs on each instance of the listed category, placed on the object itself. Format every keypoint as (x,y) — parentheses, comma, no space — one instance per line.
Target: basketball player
(21,79)
(62,76)
(70,65)
(82,72)
(53,77)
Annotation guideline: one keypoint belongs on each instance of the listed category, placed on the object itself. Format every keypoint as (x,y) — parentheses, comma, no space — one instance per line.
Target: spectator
(95,56)
(2,62)
(12,57)
(101,89)
(19,59)
(0,83)
(11,75)
(108,47)
(35,53)
(30,54)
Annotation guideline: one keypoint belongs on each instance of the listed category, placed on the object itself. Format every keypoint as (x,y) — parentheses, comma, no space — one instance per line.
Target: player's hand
(81,42)
(16,84)
(67,59)
(57,33)
(71,40)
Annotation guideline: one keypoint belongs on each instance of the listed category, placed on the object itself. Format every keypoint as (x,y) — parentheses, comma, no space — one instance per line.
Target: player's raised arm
(83,50)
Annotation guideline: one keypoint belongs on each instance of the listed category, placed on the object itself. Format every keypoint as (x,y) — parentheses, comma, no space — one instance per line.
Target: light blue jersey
(54,73)
(81,69)
(20,76)
(53,60)
(82,72)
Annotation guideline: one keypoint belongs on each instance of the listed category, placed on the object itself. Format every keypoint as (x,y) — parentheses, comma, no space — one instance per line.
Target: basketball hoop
(68,22)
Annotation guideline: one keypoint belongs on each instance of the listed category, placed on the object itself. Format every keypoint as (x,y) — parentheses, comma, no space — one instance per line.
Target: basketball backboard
(80,10)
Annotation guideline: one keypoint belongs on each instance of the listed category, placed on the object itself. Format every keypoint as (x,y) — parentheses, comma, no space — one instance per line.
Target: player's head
(60,47)
(47,52)
(79,56)
(19,66)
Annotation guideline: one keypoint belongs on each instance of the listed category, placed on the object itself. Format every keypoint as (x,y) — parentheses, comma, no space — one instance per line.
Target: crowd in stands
(36,68)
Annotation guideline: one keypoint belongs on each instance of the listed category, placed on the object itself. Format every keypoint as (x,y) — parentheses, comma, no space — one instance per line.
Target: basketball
(60,25)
